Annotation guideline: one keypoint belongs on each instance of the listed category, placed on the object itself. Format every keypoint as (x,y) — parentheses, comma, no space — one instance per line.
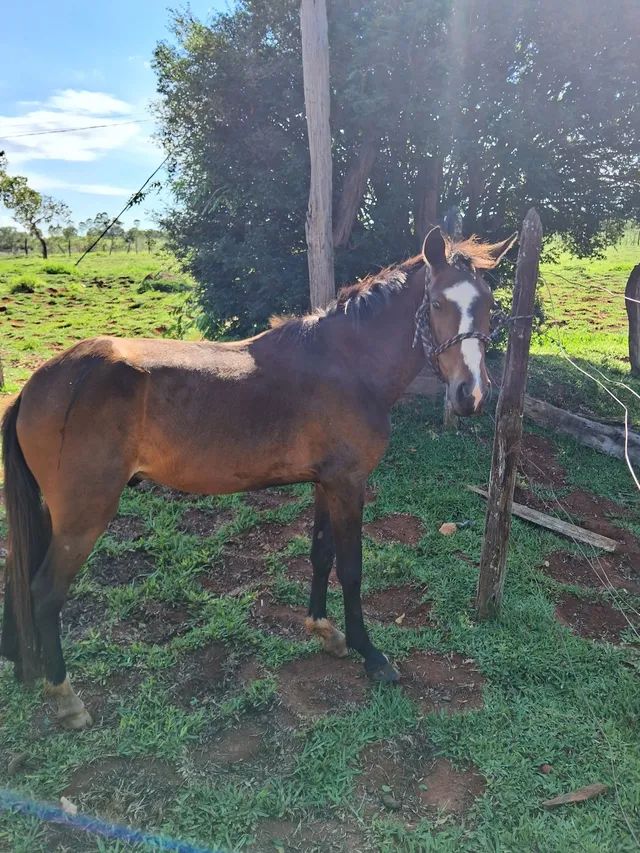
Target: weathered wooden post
(632,302)
(508,433)
(315,72)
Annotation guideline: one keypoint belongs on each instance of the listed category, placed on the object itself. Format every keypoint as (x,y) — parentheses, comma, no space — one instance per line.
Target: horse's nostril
(462,392)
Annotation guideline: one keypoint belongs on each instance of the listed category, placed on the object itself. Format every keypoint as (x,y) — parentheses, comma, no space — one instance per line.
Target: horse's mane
(481,256)
(370,294)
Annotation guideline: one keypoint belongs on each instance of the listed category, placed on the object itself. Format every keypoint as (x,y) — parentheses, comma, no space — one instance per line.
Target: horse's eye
(435,304)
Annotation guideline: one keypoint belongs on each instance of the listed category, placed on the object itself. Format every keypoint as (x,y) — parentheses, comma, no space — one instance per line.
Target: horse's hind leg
(71,544)
(322,554)
(346,500)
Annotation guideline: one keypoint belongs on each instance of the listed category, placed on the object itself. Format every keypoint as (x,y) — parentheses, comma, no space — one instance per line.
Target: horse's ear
(434,250)
(499,250)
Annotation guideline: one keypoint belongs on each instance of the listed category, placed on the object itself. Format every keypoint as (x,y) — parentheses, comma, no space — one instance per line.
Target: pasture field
(218,722)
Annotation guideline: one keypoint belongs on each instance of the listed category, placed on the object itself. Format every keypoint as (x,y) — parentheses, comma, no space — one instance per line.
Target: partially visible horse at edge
(306,401)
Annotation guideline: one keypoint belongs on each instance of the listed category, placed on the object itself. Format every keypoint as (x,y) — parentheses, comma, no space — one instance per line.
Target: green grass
(47,305)
(549,696)
(586,321)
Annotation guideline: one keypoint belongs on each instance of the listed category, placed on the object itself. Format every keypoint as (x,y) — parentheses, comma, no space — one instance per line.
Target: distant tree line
(70,239)
(463,114)
(46,224)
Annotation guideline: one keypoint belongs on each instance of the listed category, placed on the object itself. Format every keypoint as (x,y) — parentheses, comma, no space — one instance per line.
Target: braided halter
(424,332)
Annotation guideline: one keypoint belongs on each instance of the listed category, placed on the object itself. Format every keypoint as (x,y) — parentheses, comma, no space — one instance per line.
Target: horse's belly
(225,439)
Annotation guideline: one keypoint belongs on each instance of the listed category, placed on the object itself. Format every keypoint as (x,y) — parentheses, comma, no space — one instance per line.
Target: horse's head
(458,305)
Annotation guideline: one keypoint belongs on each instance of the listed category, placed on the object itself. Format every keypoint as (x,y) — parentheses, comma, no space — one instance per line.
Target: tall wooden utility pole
(508,434)
(315,69)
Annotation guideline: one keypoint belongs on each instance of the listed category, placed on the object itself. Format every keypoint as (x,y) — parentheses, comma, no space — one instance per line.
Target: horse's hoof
(77,721)
(333,641)
(386,673)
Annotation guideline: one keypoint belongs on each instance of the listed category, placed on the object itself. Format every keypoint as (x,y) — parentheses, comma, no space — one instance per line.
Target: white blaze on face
(464,294)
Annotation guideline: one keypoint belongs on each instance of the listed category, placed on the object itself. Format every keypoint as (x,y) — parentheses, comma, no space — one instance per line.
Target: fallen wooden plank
(556,524)
(579,796)
(601,436)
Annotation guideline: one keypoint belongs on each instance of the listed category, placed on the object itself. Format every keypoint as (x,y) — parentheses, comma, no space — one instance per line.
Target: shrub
(24,284)
(53,268)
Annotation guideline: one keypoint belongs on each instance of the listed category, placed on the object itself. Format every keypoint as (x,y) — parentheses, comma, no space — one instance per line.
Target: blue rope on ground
(54,814)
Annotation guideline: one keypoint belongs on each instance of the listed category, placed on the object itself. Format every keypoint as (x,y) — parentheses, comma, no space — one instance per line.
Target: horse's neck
(389,361)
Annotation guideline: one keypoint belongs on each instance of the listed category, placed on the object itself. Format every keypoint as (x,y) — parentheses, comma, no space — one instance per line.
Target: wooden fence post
(508,432)
(632,303)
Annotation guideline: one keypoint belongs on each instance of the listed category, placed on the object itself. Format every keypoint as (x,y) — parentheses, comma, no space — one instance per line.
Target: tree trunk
(474,189)
(26,246)
(632,302)
(69,247)
(427,192)
(315,68)
(355,183)
(43,244)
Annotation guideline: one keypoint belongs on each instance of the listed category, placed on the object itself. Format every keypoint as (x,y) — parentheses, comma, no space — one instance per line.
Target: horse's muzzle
(468,399)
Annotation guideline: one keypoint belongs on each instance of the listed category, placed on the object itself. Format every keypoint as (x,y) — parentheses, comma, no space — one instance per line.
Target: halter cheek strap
(424,333)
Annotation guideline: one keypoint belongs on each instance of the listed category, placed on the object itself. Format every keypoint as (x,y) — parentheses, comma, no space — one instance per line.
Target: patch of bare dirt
(401,605)
(270,498)
(400,527)
(253,747)
(111,570)
(153,622)
(199,522)
(602,572)
(270,537)
(283,620)
(199,675)
(593,512)
(236,745)
(300,569)
(315,836)
(321,684)
(234,570)
(451,790)
(127,528)
(103,699)
(593,620)
(404,776)
(98,785)
(80,614)
(112,787)
(538,461)
(442,682)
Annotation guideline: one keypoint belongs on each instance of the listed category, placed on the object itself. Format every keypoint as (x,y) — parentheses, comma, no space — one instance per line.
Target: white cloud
(70,109)
(91,103)
(46,183)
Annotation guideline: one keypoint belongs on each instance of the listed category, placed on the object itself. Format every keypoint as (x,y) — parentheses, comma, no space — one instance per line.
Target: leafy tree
(479,107)
(69,232)
(10,239)
(29,208)
(115,232)
(150,237)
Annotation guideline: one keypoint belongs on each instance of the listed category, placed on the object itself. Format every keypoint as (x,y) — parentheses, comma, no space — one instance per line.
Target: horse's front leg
(346,502)
(322,554)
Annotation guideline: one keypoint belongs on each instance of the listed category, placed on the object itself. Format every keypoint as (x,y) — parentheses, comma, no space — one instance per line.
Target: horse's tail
(29,538)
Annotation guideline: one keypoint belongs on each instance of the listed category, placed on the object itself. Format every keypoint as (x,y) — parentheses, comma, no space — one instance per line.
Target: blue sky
(76,64)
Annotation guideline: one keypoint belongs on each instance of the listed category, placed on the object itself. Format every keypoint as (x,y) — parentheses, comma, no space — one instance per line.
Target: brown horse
(308,400)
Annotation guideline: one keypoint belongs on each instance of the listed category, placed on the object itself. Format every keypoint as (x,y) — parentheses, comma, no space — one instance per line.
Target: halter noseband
(424,333)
